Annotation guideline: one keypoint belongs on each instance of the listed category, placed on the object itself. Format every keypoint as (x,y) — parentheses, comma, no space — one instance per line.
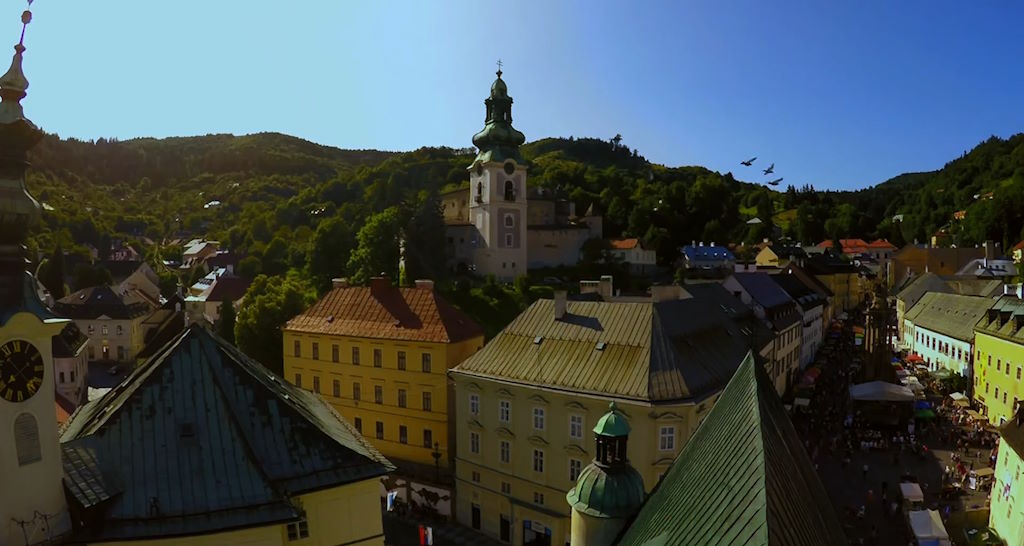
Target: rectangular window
(1004,397)
(380,430)
(355,355)
(475,476)
(1007,368)
(355,391)
(505,451)
(667,439)
(61,377)
(334,353)
(426,362)
(474,401)
(538,460)
(378,358)
(92,329)
(504,410)
(378,394)
(428,438)
(298,530)
(1018,372)
(316,384)
(297,348)
(999,363)
(106,329)
(474,442)
(336,388)
(72,372)
(298,380)
(506,488)
(316,351)
(401,398)
(401,360)
(427,402)
(575,466)
(120,330)
(403,434)
(576,427)
(538,497)
(997,393)
(359,424)
(508,240)
(538,418)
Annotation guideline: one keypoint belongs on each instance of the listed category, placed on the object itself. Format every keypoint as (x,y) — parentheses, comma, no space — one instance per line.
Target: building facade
(525,402)
(940,328)
(999,358)
(1006,514)
(772,304)
(812,308)
(631,251)
(379,355)
(111,320)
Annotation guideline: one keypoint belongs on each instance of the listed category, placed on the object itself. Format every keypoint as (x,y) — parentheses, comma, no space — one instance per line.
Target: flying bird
(749,162)
(770,169)
(775,182)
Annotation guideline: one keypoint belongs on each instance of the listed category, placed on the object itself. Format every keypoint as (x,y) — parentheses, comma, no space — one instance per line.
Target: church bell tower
(32,505)
(497,203)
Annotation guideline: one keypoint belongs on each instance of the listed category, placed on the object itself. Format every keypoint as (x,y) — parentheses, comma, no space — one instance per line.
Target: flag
(430,536)
(392,495)
(423,536)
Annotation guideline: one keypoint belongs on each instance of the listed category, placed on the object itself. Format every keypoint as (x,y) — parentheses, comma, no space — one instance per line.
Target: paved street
(404,531)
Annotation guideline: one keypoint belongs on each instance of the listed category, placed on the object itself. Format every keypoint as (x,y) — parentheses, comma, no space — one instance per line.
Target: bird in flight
(770,169)
(775,182)
(749,162)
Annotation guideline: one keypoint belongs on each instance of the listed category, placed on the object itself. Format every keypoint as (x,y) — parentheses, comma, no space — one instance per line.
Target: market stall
(880,391)
(912,496)
(928,528)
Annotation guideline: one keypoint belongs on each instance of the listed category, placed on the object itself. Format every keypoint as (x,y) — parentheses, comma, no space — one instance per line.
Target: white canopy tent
(911,492)
(880,391)
(958,396)
(928,528)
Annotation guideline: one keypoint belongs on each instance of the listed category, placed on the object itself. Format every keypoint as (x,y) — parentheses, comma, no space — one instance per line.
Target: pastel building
(940,328)
(999,358)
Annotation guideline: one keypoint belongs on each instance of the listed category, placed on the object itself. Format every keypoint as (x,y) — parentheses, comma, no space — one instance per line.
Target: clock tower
(497,179)
(32,505)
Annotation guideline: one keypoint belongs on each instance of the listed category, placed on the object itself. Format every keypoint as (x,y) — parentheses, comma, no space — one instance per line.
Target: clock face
(21,370)
(510,168)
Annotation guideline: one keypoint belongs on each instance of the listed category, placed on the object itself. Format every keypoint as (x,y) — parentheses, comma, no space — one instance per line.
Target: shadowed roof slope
(949,314)
(763,289)
(743,479)
(97,301)
(663,351)
(387,312)
(201,439)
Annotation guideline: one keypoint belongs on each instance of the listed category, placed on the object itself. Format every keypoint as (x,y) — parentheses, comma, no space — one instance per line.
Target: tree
(226,322)
(51,273)
(249,267)
(269,303)
(425,240)
(330,250)
(377,249)
(275,257)
(88,275)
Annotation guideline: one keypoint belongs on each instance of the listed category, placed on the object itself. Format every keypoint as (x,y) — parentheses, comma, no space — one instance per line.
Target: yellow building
(999,358)
(841,278)
(203,446)
(380,355)
(1006,514)
(526,401)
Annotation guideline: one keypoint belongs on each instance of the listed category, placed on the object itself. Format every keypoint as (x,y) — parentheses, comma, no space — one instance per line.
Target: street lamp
(436,454)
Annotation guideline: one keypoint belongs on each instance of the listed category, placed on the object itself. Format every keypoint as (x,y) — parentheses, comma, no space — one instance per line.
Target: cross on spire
(499,68)
(26,18)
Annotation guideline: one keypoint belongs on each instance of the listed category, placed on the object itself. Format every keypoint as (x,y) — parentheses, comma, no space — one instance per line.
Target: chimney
(339,282)
(381,282)
(605,287)
(560,304)
(425,284)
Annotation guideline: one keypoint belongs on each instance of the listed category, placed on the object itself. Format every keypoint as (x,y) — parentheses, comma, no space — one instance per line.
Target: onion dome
(609,487)
(498,140)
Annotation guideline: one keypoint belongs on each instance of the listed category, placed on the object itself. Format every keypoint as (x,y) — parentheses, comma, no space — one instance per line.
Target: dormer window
(510,191)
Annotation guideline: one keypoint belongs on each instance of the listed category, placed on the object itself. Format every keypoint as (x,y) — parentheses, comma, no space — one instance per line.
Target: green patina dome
(613,423)
(499,140)
(607,492)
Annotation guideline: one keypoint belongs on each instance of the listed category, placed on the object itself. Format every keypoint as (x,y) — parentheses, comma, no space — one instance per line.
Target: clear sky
(839,94)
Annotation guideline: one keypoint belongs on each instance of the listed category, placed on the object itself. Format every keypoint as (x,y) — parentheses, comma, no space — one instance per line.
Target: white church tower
(497,203)
(32,505)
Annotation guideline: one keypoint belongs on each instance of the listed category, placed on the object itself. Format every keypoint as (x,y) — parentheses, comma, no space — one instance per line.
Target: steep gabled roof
(387,312)
(797,289)
(762,289)
(652,351)
(97,301)
(743,479)
(952,315)
(201,438)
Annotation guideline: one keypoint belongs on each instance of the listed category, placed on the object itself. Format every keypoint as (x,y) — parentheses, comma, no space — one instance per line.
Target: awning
(958,396)
(984,472)
(924,414)
(961,403)
(922,404)
(976,416)
(911,492)
(914,357)
(881,391)
(927,525)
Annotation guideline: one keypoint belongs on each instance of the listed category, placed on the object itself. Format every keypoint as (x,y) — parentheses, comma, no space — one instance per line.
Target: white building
(631,251)
(940,328)
(812,308)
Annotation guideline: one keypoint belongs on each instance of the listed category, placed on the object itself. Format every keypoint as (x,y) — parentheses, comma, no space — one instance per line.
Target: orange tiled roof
(624,244)
(1018,246)
(386,312)
(881,243)
(850,246)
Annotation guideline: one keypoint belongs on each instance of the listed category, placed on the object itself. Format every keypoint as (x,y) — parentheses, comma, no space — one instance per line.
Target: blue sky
(836,94)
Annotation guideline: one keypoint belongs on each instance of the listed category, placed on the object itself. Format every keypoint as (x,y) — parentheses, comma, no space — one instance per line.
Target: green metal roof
(499,140)
(665,351)
(612,423)
(743,479)
(951,315)
(607,492)
(201,439)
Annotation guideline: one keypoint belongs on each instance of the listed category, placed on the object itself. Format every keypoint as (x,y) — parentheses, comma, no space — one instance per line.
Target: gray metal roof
(744,479)
(952,315)
(652,351)
(205,439)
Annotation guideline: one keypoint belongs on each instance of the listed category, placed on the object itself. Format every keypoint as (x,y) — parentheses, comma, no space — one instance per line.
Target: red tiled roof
(1018,246)
(64,409)
(387,312)
(881,243)
(850,246)
(623,244)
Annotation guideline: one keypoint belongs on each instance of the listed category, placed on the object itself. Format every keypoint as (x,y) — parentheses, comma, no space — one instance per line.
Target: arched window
(510,191)
(509,221)
(26,439)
